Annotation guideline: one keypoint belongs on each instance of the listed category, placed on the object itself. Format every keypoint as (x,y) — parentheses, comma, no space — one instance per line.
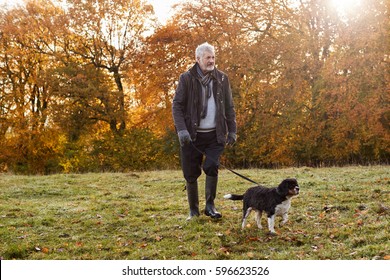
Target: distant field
(341,213)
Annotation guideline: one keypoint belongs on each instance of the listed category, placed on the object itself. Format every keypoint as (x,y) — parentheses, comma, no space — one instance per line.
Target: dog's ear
(283,187)
(292,182)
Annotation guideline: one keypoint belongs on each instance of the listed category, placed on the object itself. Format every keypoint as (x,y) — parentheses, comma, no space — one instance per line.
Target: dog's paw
(272,233)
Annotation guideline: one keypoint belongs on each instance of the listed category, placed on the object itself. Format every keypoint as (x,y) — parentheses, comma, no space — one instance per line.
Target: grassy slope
(341,213)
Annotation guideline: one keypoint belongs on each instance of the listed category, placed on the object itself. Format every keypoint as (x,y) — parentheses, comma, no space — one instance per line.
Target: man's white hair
(201,49)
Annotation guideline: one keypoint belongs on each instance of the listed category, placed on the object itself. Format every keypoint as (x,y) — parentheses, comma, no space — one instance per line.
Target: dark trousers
(191,159)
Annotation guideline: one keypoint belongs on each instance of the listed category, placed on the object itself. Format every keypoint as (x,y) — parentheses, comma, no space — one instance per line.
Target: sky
(162,8)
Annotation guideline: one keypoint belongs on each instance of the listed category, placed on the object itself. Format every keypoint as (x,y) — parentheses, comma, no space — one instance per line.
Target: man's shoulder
(221,75)
(220,72)
(189,72)
(186,73)
(186,76)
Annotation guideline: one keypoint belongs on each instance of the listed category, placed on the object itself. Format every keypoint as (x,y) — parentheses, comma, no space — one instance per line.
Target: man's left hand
(231,139)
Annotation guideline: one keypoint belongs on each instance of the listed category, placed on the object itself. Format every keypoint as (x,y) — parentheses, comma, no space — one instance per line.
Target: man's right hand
(184,137)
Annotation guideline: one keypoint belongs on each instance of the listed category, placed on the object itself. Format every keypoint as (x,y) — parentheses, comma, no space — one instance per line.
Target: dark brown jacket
(186,107)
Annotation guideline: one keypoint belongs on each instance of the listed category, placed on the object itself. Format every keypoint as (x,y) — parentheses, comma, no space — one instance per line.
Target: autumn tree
(88,85)
(109,35)
(68,68)
(248,37)
(277,54)
(357,79)
(29,140)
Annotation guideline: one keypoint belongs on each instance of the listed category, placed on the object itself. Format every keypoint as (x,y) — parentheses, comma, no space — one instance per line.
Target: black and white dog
(273,201)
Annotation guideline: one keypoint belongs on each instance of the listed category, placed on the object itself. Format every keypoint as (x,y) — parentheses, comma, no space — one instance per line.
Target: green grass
(341,213)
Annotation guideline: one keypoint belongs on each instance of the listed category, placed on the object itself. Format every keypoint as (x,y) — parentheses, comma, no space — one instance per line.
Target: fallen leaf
(287,238)
(254,238)
(224,250)
(387,257)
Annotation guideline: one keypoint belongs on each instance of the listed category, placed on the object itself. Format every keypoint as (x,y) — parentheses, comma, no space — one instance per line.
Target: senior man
(205,120)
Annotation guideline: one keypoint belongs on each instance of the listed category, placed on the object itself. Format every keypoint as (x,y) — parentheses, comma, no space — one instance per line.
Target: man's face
(206,62)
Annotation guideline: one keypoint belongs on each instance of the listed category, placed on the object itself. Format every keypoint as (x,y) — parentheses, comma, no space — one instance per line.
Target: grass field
(341,213)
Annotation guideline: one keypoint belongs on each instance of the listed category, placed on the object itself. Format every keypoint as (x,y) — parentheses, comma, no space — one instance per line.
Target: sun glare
(345,6)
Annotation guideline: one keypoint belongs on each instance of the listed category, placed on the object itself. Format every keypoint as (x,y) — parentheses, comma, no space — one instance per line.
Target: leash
(231,170)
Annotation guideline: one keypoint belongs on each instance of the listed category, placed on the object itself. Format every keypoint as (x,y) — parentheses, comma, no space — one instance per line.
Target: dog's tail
(234,197)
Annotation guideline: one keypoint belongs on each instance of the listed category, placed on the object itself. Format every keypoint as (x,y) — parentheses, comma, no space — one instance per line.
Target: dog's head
(288,187)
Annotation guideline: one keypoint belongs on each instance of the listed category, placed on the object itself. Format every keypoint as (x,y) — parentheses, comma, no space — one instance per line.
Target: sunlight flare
(345,6)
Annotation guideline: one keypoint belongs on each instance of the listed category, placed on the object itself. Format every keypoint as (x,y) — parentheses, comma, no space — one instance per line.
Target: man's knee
(211,169)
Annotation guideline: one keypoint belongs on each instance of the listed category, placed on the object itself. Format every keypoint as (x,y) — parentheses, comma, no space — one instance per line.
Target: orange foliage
(310,85)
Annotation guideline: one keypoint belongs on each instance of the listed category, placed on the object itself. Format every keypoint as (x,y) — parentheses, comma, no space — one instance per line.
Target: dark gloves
(231,139)
(184,137)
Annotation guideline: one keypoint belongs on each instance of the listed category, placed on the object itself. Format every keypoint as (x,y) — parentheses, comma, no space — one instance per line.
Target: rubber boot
(193,199)
(211,191)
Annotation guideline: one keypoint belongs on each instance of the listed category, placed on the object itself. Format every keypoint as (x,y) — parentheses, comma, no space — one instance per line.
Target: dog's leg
(258,219)
(271,224)
(245,216)
(284,219)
